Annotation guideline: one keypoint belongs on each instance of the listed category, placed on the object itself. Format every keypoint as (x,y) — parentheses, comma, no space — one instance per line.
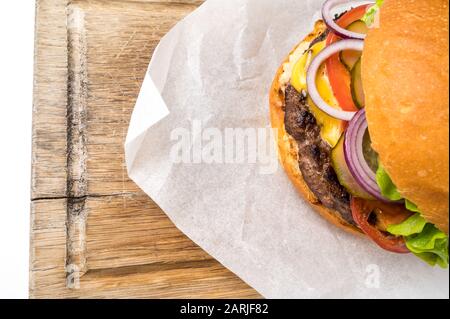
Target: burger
(361,106)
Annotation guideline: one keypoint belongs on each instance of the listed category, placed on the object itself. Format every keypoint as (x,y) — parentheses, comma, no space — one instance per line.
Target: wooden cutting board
(93,232)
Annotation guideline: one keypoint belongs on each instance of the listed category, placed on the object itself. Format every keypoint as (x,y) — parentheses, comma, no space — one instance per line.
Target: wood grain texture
(94,234)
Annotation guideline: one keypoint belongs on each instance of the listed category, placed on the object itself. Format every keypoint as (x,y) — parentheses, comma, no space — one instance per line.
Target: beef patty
(315,155)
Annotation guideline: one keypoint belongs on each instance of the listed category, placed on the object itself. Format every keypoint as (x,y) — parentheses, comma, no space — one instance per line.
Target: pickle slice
(357,85)
(349,57)
(343,173)
(358,26)
(370,155)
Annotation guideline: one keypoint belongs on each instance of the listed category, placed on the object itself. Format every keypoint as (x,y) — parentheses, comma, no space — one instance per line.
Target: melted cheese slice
(331,128)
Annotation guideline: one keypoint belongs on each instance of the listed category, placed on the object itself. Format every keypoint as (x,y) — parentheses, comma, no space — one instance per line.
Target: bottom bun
(288,153)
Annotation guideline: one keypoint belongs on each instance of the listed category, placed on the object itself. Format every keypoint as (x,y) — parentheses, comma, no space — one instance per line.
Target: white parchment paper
(215,68)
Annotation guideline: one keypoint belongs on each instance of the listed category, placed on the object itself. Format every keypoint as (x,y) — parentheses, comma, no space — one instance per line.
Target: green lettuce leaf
(422,238)
(431,245)
(387,187)
(411,206)
(411,226)
(369,17)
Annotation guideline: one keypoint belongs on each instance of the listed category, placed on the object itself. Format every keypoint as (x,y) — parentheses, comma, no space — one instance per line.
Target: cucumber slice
(358,26)
(349,58)
(357,85)
(344,175)
(370,155)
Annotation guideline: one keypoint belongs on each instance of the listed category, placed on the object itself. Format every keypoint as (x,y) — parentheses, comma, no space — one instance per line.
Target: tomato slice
(362,211)
(338,75)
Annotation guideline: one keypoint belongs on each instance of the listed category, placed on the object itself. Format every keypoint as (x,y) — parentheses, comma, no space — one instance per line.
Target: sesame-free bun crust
(405,72)
(288,149)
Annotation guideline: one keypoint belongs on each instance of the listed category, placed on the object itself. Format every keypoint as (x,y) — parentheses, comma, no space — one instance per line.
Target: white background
(16,89)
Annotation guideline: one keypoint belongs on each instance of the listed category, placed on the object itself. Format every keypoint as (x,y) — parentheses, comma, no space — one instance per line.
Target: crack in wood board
(146,268)
(76,106)
(37,199)
(76,144)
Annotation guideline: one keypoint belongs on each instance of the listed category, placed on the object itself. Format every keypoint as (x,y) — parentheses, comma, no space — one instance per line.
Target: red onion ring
(354,156)
(331,24)
(356,45)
